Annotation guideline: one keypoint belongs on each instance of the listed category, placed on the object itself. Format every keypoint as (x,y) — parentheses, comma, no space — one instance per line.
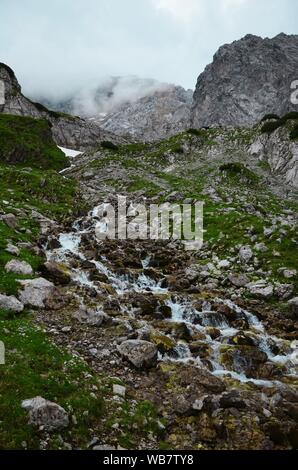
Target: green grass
(140,184)
(28,141)
(34,366)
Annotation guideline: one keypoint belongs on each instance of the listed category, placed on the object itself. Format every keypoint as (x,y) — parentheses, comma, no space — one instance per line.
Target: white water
(182,308)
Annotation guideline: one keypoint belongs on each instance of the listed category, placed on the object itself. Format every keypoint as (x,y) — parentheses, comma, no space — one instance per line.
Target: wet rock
(53,243)
(163,343)
(35,292)
(147,304)
(11,303)
(13,250)
(142,354)
(232,399)
(242,339)
(201,349)
(243,359)
(18,267)
(45,414)
(58,273)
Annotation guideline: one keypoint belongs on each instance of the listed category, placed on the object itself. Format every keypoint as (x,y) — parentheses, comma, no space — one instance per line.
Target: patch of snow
(69,152)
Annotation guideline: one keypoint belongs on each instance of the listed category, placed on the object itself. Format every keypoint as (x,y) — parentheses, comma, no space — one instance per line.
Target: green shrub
(294,133)
(271,126)
(268,117)
(197,132)
(291,115)
(106,144)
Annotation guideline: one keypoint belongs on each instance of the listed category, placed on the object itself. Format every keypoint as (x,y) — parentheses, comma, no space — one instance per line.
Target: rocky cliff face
(68,131)
(247,79)
(153,117)
(144,109)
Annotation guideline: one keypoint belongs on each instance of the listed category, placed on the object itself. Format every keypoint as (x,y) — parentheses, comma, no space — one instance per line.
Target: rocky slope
(143,109)
(68,131)
(246,80)
(153,117)
(171,349)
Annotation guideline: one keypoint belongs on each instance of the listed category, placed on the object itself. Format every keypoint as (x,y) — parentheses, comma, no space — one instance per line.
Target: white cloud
(183,11)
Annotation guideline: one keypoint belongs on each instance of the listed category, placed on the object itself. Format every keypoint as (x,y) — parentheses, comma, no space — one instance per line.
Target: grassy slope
(34,365)
(28,141)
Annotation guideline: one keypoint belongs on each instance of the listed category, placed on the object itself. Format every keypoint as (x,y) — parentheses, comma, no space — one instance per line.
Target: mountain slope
(247,80)
(68,131)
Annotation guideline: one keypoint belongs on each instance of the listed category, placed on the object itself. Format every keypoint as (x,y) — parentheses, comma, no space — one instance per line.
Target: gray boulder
(142,354)
(11,304)
(18,267)
(10,220)
(35,292)
(45,414)
(13,250)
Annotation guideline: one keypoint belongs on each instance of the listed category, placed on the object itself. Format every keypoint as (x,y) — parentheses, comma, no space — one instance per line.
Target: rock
(10,220)
(284,291)
(163,343)
(13,250)
(247,79)
(162,113)
(289,273)
(245,254)
(91,317)
(260,289)
(261,247)
(35,292)
(11,304)
(232,399)
(18,267)
(45,414)
(238,280)
(56,272)
(119,390)
(141,354)
(224,264)
(293,304)
(104,447)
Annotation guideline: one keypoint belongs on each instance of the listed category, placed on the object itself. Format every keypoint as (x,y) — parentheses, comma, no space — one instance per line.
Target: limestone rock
(247,80)
(18,267)
(36,292)
(13,250)
(141,354)
(260,289)
(10,220)
(245,254)
(56,273)
(45,414)
(11,303)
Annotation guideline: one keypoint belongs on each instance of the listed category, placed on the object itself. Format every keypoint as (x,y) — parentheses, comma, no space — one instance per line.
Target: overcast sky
(56,46)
